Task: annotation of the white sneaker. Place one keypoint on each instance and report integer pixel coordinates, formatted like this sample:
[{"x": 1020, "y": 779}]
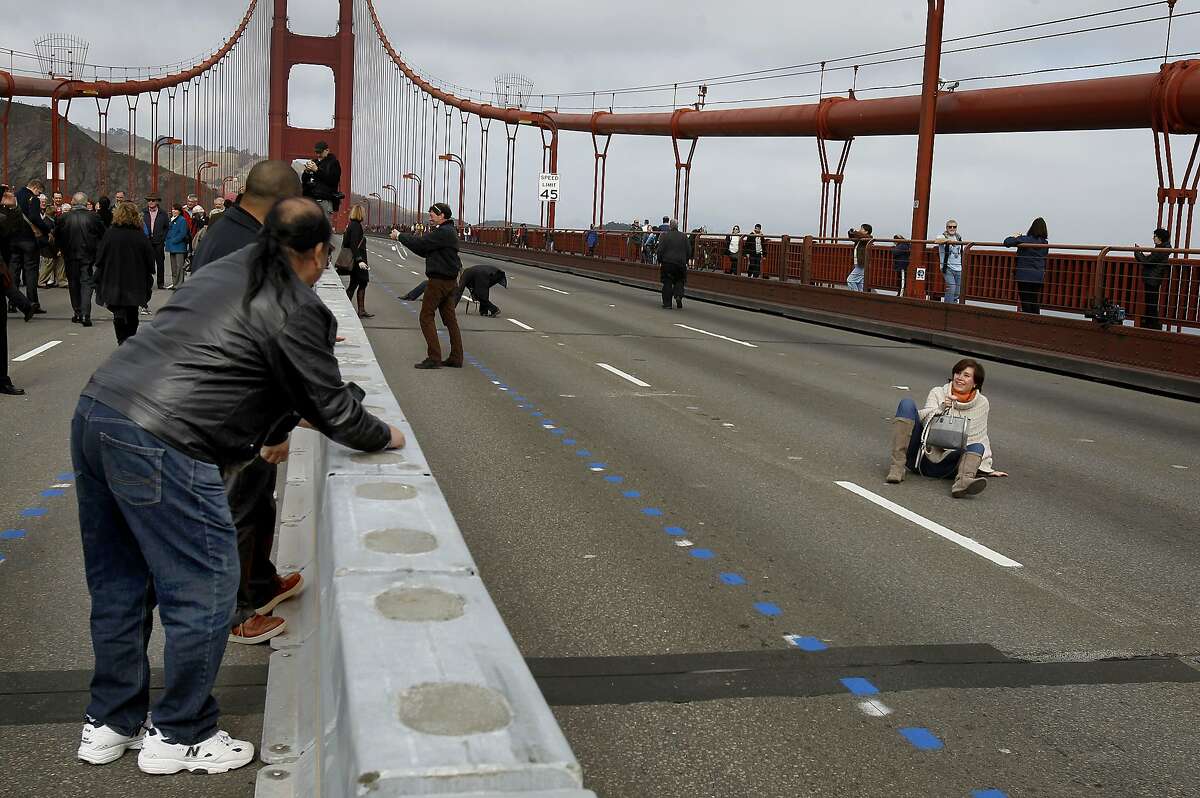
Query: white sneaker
[
  {"x": 100, "y": 745},
  {"x": 218, "y": 754}
]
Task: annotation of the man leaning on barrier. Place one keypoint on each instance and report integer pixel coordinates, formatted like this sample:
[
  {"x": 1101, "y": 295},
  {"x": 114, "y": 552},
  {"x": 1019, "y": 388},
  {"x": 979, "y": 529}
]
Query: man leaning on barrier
[{"x": 246, "y": 347}]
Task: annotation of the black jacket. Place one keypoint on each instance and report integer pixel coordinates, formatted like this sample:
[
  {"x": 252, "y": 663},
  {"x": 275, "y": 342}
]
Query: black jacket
[
  {"x": 28, "y": 203},
  {"x": 229, "y": 232},
  {"x": 323, "y": 183},
  {"x": 673, "y": 249},
  {"x": 125, "y": 268},
  {"x": 480, "y": 279},
  {"x": 162, "y": 220},
  {"x": 212, "y": 377},
  {"x": 355, "y": 240},
  {"x": 78, "y": 234},
  {"x": 901, "y": 254},
  {"x": 439, "y": 248},
  {"x": 1154, "y": 264}
]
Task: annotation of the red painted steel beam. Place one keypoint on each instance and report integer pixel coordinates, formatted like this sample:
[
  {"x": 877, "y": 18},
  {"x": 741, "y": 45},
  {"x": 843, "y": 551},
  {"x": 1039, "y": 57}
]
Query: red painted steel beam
[
  {"x": 1098, "y": 104},
  {"x": 46, "y": 87}
]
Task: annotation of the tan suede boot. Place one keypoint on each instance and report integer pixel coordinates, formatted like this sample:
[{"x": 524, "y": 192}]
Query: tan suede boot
[
  {"x": 902, "y": 429},
  {"x": 966, "y": 483}
]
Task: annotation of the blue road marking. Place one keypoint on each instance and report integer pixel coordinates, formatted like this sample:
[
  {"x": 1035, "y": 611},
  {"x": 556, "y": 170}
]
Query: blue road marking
[
  {"x": 921, "y": 738},
  {"x": 583, "y": 453},
  {"x": 859, "y": 686},
  {"x": 653, "y": 512},
  {"x": 702, "y": 554},
  {"x": 631, "y": 494},
  {"x": 988, "y": 794},
  {"x": 731, "y": 578},
  {"x": 768, "y": 609},
  {"x": 2, "y": 558},
  {"x": 53, "y": 492},
  {"x": 556, "y": 432},
  {"x": 675, "y": 531},
  {"x": 34, "y": 512},
  {"x": 807, "y": 643},
  {"x": 65, "y": 476},
  {"x": 568, "y": 441},
  {"x": 614, "y": 479},
  {"x": 12, "y": 534},
  {"x": 537, "y": 413}
]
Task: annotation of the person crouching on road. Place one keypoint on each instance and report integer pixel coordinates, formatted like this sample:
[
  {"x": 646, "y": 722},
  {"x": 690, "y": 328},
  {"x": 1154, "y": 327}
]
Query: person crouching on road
[
  {"x": 439, "y": 248},
  {"x": 154, "y": 428},
  {"x": 479, "y": 280},
  {"x": 355, "y": 240},
  {"x": 960, "y": 397},
  {"x": 672, "y": 264}
]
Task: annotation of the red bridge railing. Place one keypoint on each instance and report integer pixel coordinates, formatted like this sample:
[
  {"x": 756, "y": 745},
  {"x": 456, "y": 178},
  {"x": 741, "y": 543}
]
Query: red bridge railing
[{"x": 1075, "y": 280}]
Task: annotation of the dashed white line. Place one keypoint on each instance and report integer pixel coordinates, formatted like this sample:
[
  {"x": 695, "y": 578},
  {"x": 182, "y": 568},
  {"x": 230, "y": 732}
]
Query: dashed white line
[
  {"x": 874, "y": 708},
  {"x": 520, "y": 324},
  {"x": 555, "y": 290},
  {"x": 416, "y": 273},
  {"x": 36, "y": 352},
  {"x": 715, "y": 335},
  {"x": 934, "y": 527},
  {"x": 623, "y": 375}
]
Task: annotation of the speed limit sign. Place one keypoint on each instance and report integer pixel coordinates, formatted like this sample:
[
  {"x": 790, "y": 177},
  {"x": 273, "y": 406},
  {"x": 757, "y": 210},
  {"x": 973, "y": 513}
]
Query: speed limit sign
[{"x": 548, "y": 187}]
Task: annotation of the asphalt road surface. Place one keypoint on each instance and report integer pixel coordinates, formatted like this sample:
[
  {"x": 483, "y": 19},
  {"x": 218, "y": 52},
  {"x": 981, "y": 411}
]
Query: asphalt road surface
[{"x": 682, "y": 518}]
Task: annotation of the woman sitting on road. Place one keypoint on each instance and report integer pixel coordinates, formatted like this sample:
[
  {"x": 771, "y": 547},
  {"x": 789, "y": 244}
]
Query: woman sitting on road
[{"x": 960, "y": 397}]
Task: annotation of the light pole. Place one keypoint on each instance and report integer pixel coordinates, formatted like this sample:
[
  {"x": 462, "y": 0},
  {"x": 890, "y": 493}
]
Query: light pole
[
  {"x": 395, "y": 203},
  {"x": 420, "y": 192},
  {"x": 201, "y": 168},
  {"x": 462, "y": 183},
  {"x": 161, "y": 141},
  {"x": 547, "y": 122},
  {"x": 928, "y": 129},
  {"x": 376, "y": 196}
]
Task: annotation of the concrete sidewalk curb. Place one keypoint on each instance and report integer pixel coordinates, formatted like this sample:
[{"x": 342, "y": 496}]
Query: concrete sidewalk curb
[{"x": 397, "y": 675}]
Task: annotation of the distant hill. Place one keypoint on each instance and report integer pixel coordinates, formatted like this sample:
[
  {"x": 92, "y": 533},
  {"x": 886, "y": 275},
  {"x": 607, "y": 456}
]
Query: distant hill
[{"x": 29, "y": 151}]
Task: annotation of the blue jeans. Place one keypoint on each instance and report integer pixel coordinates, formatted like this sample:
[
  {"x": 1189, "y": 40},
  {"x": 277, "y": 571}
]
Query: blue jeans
[
  {"x": 953, "y": 280},
  {"x": 855, "y": 278},
  {"x": 156, "y": 528},
  {"x": 947, "y": 466}
]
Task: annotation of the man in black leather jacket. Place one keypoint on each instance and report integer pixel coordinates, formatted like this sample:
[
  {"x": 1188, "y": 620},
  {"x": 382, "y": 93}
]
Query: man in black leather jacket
[
  {"x": 78, "y": 234},
  {"x": 243, "y": 347}
]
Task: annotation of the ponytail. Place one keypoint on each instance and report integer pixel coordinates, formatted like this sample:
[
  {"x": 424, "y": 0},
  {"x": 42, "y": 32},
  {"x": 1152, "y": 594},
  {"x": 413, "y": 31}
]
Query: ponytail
[{"x": 293, "y": 226}]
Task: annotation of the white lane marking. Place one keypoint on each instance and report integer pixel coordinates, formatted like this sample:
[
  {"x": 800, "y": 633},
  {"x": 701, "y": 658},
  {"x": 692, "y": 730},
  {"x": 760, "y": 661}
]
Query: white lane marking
[
  {"x": 416, "y": 273},
  {"x": 934, "y": 527},
  {"x": 555, "y": 290},
  {"x": 521, "y": 324},
  {"x": 722, "y": 337},
  {"x": 874, "y": 708},
  {"x": 623, "y": 375},
  {"x": 35, "y": 352}
]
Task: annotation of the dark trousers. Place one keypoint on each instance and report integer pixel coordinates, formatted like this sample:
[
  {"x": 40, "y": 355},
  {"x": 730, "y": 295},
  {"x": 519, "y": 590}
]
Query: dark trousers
[
  {"x": 251, "y": 492},
  {"x": 754, "y": 264},
  {"x": 156, "y": 529},
  {"x": 160, "y": 257},
  {"x": 4, "y": 380},
  {"x": 440, "y": 295},
  {"x": 1150, "y": 319},
  {"x": 125, "y": 321},
  {"x": 947, "y": 466},
  {"x": 417, "y": 292},
  {"x": 733, "y": 263},
  {"x": 79, "y": 285},
  {"x": 1031, "y": 297},
  {"x": 674, "y": 278},
  {"x": 16, "y": 298},
  {"x": 26, "y": 261},
  {"x": 358, "y": 282}
]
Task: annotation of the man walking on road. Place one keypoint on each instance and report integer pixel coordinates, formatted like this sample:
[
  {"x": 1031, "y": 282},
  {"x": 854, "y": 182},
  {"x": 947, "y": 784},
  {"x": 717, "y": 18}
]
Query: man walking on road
[
  {"x": 154, "y": 225},
  {"x": 439, "y": 248},
  {"x": 78, "y": 234},
  {"x": 672, "y": 264},
  {"x": 34, "y": 229}
]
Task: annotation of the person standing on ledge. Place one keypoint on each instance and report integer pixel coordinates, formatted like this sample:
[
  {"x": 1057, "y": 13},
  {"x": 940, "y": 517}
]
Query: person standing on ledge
[
  {"x": 321, "y": 178},
  {"x": 439, "y": 248}
]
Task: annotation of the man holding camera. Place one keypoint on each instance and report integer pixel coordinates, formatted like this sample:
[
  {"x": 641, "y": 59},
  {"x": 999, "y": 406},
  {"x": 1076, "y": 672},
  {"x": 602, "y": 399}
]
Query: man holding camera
[
  {"x": 321, "y": 178},
  {"x": 862, "y": 238}
]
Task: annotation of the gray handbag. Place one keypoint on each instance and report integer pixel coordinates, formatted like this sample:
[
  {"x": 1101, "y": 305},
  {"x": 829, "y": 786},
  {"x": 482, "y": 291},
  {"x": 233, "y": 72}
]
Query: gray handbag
[{"x": 946, "y": 432}]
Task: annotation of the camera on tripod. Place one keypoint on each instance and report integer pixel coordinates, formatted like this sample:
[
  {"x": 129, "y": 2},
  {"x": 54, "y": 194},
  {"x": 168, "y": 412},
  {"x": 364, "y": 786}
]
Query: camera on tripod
[{"x": 1106, "y": 313}]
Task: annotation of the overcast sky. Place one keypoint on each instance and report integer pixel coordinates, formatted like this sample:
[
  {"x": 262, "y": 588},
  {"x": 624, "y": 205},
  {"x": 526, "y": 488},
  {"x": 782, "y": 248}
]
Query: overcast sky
[{"x": 1091, "y": 187}]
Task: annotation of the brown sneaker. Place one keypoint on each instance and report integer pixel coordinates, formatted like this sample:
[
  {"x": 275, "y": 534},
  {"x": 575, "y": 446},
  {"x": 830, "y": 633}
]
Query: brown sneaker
[
  {"x": 286, "y": 586},
  {"x": 257, "y": 629}
]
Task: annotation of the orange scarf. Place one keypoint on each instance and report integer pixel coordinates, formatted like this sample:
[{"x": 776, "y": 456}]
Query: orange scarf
[{"x": 963, "y": 398}]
